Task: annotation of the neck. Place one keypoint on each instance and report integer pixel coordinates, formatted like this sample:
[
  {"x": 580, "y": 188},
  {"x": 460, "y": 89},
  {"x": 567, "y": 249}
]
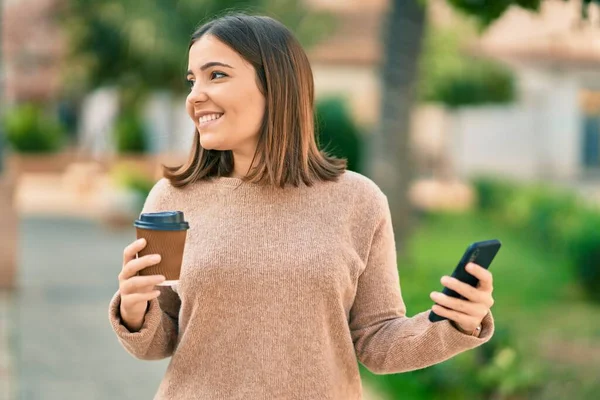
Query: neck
[{"x": 241, "y": 165}]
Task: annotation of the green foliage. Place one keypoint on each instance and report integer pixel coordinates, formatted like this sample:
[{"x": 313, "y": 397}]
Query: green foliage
[
  {"x": 554, "y": 214},
  {"x": 29, "y": 129},
  {"x": 480, "y": 82},
  {"x": 556, "y": 219},
  {"x": 144, "y": 43},
  {"x": 536, "y": 307},
  {"x": 492, "y": 192},
  {"x": 130, "y": 134},
  {"x": 584, "y": 250},
  {"x": 337, "y": 133},
  {"x": 453, "y": 79},
  {"x": 501, "y": 371},
  {"x": 127, "y": 176},
  {"x": 487, "y": 11}
]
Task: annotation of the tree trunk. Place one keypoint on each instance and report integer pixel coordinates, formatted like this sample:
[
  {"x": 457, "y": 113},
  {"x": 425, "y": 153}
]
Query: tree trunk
[{"x": 390, "y": 158}]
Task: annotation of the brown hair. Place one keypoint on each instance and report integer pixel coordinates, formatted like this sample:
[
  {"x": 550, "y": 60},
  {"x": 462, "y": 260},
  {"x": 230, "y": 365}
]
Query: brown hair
[{"x": 287, "y": 146}]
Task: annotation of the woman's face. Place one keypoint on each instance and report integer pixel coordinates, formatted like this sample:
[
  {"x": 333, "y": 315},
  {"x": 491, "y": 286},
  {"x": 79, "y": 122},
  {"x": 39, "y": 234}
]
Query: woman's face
[{"x": 224, "y": 101}]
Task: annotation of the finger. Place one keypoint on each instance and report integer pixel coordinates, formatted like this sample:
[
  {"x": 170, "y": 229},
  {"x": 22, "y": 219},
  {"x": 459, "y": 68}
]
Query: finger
[
  {"x": 463, "y": 306},
  {"x": 141, "y": 284},
  {"x": 130, "y": 251},
  {"x": 134, "y": 266},
  {"x": 485, "y": 277},
  {"x": 140, "y": 297},
  {"x": 460, "y": 318},
  {"x": 464, "y": 289}
]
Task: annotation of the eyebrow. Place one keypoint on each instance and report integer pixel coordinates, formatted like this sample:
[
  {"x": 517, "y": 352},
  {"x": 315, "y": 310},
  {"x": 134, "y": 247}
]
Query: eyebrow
[{"x": 211, "y": 64}]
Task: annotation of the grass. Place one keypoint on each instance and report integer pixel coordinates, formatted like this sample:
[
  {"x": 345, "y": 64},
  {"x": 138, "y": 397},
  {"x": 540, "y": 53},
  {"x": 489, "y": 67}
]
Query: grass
[
  {"x": 527, "y": 280},
  {"x": 536, "y": 297}
]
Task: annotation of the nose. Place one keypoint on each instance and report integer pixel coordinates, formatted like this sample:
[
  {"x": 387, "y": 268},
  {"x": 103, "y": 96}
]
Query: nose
[{"x": 197, "y": 94}]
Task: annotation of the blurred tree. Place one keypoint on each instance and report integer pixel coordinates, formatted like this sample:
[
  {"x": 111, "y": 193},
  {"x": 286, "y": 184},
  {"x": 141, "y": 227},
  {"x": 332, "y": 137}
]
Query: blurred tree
[
  {"x": 336, "y": 131},
  {"x": 30, "y": 129},
  {"x": 449, "y": 77},
  {"x": 142, "y": 46},
  {"x": 390, "y": 157}
]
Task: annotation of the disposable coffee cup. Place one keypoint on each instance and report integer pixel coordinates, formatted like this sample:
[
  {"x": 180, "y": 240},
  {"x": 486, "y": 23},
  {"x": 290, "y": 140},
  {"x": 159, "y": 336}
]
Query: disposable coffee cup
[{"x": 165, "y": 234}]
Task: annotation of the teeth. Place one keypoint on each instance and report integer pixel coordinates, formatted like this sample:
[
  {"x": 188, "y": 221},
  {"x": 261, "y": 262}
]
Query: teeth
[{"x": 209, "y": 117}]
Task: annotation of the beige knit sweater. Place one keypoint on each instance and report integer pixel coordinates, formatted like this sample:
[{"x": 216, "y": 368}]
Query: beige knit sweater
[{"x": 281, "y": 291}]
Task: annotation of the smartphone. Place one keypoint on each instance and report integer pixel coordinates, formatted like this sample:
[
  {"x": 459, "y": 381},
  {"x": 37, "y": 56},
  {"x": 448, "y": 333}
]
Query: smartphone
[{"x": 481, "y": 253}]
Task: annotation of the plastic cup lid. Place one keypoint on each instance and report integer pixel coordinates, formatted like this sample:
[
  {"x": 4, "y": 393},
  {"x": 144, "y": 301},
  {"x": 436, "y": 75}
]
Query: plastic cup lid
[{"x": 164, "y": 221}]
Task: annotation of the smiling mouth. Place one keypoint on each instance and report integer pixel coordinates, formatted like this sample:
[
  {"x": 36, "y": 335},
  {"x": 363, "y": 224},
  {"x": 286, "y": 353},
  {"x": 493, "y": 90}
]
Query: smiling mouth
[{"x": 209, "y": 119}]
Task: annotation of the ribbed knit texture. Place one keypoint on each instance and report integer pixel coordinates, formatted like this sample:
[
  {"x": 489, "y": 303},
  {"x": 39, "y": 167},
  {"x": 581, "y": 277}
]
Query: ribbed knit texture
[
  {"x": 170, "y": 245},
  {"x": 281, "y": 290}
]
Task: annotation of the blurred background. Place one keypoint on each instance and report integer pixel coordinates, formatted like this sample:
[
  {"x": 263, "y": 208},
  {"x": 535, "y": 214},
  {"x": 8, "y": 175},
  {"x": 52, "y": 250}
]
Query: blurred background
[{"x": 479, "y": 120}]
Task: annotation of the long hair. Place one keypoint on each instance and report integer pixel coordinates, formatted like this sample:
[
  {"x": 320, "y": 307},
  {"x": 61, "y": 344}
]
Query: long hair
[{"x": 287, "y": 146}]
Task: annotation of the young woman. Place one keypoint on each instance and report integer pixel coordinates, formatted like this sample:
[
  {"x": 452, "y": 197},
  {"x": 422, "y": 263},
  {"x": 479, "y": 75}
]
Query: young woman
[{"x": 289, "y": 272}]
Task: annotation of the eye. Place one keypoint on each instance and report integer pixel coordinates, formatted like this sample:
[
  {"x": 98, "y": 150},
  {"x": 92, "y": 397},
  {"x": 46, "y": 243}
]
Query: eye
[
  {"x": 190, "y": 83},
  {"x": 217, "y": 75}
]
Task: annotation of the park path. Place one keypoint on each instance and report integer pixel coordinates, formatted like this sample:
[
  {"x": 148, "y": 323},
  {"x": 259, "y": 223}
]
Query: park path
[{"x": 60, "y": 343}]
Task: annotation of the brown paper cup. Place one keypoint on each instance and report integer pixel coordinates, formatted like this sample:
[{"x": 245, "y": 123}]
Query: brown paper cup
[{"x": 170, "y": 246}]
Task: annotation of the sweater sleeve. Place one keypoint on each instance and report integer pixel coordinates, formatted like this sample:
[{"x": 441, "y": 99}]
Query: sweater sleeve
[
  {"x": 385, "y": 339},
  {"x": 158, "y": 336}
]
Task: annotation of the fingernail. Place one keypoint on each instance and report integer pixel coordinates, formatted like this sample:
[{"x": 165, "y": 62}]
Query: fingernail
[
  {"x": 156, "y": 257},
  {"x": 435, "y": 295},
  {"x": 142, "y": 240}
]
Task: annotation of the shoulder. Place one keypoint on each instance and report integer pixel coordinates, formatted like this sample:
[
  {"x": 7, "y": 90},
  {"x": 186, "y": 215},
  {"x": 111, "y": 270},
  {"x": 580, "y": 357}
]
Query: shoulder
[
  {"x": 160, "y": 196},
  {"x": 362, "y": 186},
  {"x": 367, "y": 195},
  {"x": 161, "y": 188}
]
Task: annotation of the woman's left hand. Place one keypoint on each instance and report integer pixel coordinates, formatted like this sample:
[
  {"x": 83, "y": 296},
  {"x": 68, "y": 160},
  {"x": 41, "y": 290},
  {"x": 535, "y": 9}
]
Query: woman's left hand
[{"x": 466, "y": 314}]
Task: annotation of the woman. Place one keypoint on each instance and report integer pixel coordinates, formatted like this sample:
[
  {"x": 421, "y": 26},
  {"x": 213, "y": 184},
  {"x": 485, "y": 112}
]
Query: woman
[{"x": 289, "y": 272}]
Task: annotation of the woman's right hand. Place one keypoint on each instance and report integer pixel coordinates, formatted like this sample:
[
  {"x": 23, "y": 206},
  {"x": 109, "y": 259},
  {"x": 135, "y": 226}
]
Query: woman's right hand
[{"x": 136, "y": 291}]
